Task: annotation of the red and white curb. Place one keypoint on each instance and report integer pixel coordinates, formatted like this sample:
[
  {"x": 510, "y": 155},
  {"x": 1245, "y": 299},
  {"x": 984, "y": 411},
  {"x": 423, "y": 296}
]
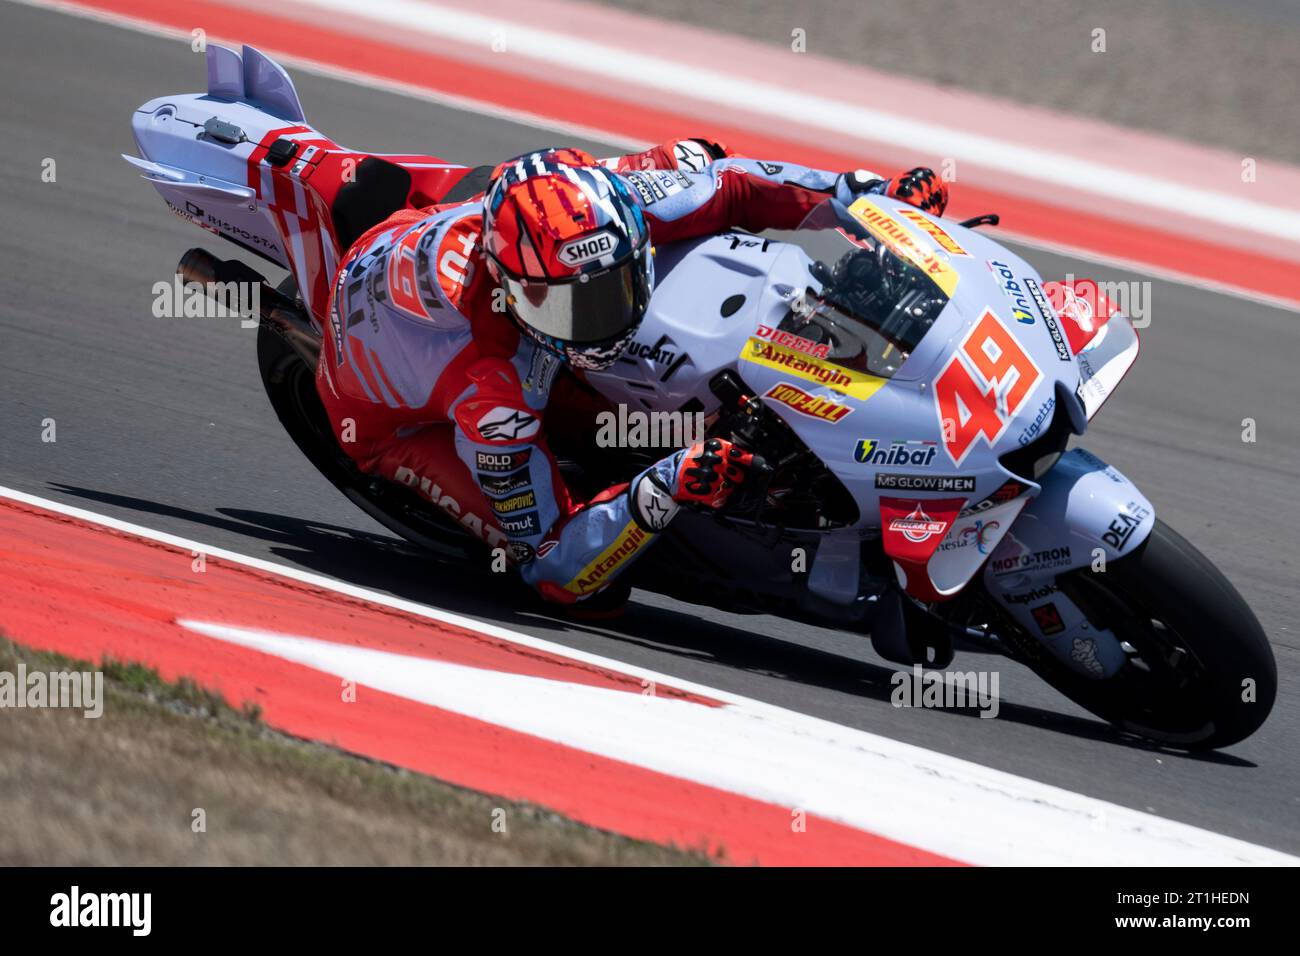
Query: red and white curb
[
  {"x": 610, "y": 744},
  {"x": 1065, "y": 184}
]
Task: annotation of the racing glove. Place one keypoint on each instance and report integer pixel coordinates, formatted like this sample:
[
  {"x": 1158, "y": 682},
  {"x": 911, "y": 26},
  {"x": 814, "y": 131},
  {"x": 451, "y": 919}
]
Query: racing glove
[
  {"x": 921, "y": 187},
  {"x": 704, "y": 474},
  {"x": 709, "y": 471}
]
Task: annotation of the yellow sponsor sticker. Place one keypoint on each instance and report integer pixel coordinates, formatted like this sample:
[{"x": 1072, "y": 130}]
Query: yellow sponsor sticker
[
  {"x": 933, "y": 230},
  {"x": 846, "y": 381},
  {"x": 630, "y": 540},
  {"x": 893, "y": 234}
]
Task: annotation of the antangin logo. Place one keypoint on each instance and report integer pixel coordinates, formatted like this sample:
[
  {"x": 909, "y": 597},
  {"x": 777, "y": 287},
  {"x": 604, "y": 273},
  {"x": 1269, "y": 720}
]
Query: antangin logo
[
  {"x": 590, "y": 578},
  {"x": 859, "y": 385}
]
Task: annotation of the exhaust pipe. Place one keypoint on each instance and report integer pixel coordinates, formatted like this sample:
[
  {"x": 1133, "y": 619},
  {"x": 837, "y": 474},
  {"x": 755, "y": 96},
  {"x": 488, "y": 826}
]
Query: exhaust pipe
[{"x": 281, "y": 313}]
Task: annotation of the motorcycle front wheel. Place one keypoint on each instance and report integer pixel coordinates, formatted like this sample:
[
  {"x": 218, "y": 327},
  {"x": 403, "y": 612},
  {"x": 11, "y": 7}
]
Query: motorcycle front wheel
[{"x": 1200, "y": 672}]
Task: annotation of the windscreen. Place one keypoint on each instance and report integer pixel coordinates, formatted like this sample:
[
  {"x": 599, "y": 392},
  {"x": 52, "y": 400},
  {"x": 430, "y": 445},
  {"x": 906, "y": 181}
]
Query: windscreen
[{"x": 867, "y": 307}]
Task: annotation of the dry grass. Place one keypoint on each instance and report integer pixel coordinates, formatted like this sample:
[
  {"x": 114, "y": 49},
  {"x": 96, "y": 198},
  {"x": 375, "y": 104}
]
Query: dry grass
[{"x": 122, "y": 790}]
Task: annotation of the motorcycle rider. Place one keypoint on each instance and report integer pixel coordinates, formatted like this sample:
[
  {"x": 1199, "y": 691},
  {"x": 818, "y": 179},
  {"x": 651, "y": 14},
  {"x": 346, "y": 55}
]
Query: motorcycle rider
[{"x": 448, "y": 325}]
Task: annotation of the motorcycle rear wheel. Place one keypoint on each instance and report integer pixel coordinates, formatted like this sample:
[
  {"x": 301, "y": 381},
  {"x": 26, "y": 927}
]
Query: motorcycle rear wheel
[
  {"x": 291, "y": 387},
  {"x": 1200, "y": 672}
]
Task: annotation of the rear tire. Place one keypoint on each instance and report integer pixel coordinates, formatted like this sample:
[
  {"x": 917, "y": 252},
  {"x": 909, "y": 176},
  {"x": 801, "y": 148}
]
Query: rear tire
[
  {"x": 291, "y": 387},
  {"x": 1198, "y": 650}
]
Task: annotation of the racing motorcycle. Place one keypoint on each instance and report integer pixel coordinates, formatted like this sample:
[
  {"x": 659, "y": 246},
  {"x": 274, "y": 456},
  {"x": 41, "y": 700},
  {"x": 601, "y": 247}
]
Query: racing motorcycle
[{"x": 909, "y": 387}]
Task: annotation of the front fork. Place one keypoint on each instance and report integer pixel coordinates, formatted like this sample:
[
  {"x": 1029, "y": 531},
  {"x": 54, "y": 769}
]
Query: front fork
[{"x": 1086, "y": 516}]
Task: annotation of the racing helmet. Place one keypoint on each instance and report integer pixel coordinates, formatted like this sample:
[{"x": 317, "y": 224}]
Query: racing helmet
[{"x": 568, "y": 244}]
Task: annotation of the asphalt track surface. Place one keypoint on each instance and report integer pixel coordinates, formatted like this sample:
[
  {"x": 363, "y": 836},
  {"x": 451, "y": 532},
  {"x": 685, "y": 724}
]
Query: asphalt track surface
[{"x": 163, "y": 422}]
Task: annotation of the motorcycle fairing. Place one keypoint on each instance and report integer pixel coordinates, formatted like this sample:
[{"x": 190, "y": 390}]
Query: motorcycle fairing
[
  {"x": 210, "y": 157},
  {"x": 1087, "y": 514}
]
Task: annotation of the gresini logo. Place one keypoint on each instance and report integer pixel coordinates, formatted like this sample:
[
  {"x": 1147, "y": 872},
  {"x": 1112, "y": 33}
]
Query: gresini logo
[
  {"x": 918, "y": 526},
  {"x": 72, "y": 690},
  {"x": 75, "y": 908},
  {"x": 638, "y": 429}
]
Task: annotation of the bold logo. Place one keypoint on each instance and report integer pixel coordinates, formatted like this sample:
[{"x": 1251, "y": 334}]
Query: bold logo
[
  {"x": 1008, "y": 491},
  {"x": 933, "y": 230},
  {"x": 805, "y": 404},
  {"x": 907, "y": 454},
  {"x": 845, "y": 381},
  {"x": 578, "y": 252},
  {"x": 983, "y": 387},
  {"x": 789, "y": 340},
  {"x": 501, "y": 462},
  {"x": 918, "y": 526},
  {"x": 506, "y": 424}
]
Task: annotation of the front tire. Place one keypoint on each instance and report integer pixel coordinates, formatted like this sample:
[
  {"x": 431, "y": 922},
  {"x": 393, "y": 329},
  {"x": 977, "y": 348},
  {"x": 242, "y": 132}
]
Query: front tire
[{"x": 1200, "y": 672}]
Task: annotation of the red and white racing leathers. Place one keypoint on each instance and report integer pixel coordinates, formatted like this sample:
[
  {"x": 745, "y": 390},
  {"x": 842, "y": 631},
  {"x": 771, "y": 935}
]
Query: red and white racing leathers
[{"x": 426, "y": 384}]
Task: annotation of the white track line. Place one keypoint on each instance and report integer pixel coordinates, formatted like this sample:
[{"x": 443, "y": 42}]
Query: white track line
[
  {"x": 618, "y": 140},
  {"x": 916, "y": 796},
  {"x": 661, "y": 75}
]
